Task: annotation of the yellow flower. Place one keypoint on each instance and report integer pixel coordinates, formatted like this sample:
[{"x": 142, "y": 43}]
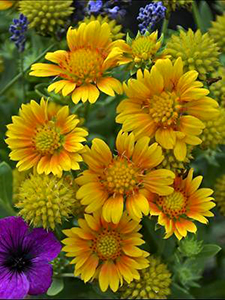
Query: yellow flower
[
  {"x": 198, "y": 52},
  {"x": 217, "y": 32},
  {"x": 187, "y": 203},
  {"x": 154, "y": 282},
  {"x": 45, "y": 200},
  {"x": 140, "y": 52},
  {"x": 167, "y": 104},
  {"x": 127, "y": 177},
  {"x": 5, "y": 4},
  {"x": 46, "y": 15},
  {"x": 218, "y": 88},
  {"x": 84, "y": 67},
  {"x": 220, "y": 193},
  {"x": 105, "y": 251},
  {"x": 46, "y": 137},
  {"x": 214, "y": 132},
  {"x": 115, "y": 28}
]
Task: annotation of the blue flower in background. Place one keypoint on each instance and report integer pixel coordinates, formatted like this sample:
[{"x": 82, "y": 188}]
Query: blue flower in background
[
  {"x": 18, "y": 30},
  {"x": 150, "y": 15},
  {"x": 94, "y": 6}
]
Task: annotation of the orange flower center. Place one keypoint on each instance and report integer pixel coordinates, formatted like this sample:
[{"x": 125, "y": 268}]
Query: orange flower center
[
  {"x": 173, "y": 205},
  {"x": 107, "y": 245},
  {"x": 164, "y": 108},
  {"x": 47, "y": 139},
  {"x": 83, "y": 66},
  {"x": 121, "y": 176}
]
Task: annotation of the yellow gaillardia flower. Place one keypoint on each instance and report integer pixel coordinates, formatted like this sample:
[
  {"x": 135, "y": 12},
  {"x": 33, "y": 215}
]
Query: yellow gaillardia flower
[
  {"x": 115, "y": 28},
  {"x": 220, "y": 193},
  {"x": 214, "y": 132},
  {"x": 5, "y": 4},
  {"x": 83, "y": 69},
  {"x": 46, "y": 15},
  {"x": 140, "y": 52},
  {"x": 45, "y": 200},
  {"x": 218, "y": 88},
  {"x": 154, "y": 282},
  {"x": 105, "y": 251},
  {"x": 127, "y": 177},
  {"x": 46, "y": 137},
  {"x": 167, "y": 104},
  {"x": 187, "y": 203},
  {"x": 217, "y": 32},
  {"x": 198, "y": 52}
]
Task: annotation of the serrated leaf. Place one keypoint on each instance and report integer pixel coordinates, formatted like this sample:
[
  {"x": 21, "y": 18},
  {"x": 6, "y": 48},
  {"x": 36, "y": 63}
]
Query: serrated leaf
[
  {"x": 56, "y": 287},
  {"x": 209, "y": 250},
  {"x": 6, "y": 183}
]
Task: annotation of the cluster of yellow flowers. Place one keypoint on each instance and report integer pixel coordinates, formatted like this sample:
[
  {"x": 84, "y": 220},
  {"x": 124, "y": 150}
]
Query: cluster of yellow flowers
[{"x": 163, "y": 117}]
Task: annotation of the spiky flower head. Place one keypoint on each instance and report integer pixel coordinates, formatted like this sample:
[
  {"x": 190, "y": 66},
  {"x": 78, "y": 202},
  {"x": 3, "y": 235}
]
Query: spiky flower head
[
  {"x": 190, "y": 246},
  {"x": 46, "y": 15},
  {"x": 154, "y": 282},
  {"x": 214, "y": 132},
  {"x": 220, "y": 193},
  {"x": 218, "y": 87},
  {"x": 45, "y": 200},
  {"x": 217, "y": 32},
  {"x": 115, "y": 29},
  {"x": 172, "y": 5},
  {"x": 171, "y": 163},
  {"x": 198, "y": 51},
  {"x": 140, "y": 52}
]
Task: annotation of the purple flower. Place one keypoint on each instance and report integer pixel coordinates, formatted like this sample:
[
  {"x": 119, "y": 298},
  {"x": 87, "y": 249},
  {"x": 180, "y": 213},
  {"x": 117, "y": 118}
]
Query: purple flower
[
  {"x": 24, "y": 259},
  {"x": 94, "y": 6},
  {"x": 18, "y": 30},
  {"x": 150, "y": 15}
]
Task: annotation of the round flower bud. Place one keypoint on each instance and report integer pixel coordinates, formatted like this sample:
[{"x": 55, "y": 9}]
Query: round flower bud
[
  {"x": 219, "y": 193},
  {"x": 217, "y": 32},
  {"x": 198, "y": 52},
  {"x": 154, "y": 282},
  {"x": 46, "y": 200},
  {"x": 218, "y": 87},
  {"x": 189, "y": 246},
  {"x": 18, "y": 178},
  {"x": 214, "y": 132},
  {"x": 115, "y": 28},
  {"x": 46, "y": 15}
]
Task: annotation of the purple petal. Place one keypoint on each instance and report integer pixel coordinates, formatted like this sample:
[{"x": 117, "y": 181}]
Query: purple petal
[
  {"x": 39, "y": 277},
  {"x": 45, "y": 244},
  {"x": 13, "y": 285},
  {"x": 12, "y": 233}
]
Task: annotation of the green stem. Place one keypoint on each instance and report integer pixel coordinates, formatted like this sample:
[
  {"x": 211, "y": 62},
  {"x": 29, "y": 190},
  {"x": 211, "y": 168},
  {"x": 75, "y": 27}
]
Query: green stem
[
  {"x": 18, "y": 76},
  {"x": 197, "y": 16},
  {"x": 67, "y": 275},
  {"x": 22, "y": 76},
  {"x": 86, "y": 110},
  {"x": 165, "y": 26}
]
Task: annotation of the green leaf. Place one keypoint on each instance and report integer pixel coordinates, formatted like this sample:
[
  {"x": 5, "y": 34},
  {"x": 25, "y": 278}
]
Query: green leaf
[
  {"x": 6, "y": 183},
  {"x": 209, "y": 250},
  {"x": 56, "y": 287},
  {"x": 206, "y": 15},
  {"x": 179, "y": 292}
]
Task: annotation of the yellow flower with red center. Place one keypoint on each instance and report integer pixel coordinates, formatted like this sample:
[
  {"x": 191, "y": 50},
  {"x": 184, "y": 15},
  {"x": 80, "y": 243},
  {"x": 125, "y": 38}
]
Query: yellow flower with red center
[
  {"x": 105, "y": 251},
  {"x": 167, "y": 104},
  {"x": 83, "y": 69},
  {"x": 127, "y": 177},
  {"x": 46, "y": 137},
  {"x": 187, "y": 203}
]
